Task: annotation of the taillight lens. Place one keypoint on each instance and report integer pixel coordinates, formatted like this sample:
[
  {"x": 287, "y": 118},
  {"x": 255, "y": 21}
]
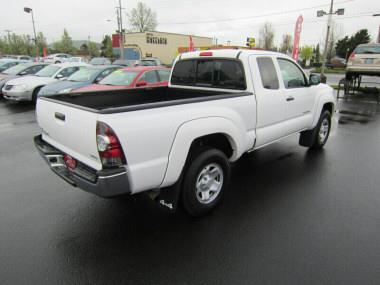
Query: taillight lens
[
  {"x": 109, "y": 147},
  {"x": 352, "y": 56}
]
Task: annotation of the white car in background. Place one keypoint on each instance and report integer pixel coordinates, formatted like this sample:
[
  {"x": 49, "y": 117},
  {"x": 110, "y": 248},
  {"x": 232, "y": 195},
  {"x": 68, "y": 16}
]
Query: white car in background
[
  {"x": 26, "y": 88},
  {"x": 57, "y": 58}
]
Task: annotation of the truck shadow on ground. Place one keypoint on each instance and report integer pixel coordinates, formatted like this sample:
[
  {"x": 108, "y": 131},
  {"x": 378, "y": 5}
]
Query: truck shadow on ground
[{"x": 136, "y": 233}]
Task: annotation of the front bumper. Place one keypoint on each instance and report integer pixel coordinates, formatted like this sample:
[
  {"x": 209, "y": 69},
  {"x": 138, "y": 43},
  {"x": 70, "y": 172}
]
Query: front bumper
[
  {"x": 104, "y": 183},
  {"x": 18, "y": 95}
]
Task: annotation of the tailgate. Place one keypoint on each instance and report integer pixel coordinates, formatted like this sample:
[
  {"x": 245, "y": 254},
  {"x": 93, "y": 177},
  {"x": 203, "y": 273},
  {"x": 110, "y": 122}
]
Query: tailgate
[{"x": 71, "y": 130}]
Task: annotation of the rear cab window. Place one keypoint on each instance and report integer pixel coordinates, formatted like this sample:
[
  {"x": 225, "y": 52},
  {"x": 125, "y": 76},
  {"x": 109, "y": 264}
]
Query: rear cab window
[{"x": 209, "y": 72}]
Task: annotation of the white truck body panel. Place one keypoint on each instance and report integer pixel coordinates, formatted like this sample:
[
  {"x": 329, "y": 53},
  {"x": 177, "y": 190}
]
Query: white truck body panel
[{"x": 156, "y": 141}]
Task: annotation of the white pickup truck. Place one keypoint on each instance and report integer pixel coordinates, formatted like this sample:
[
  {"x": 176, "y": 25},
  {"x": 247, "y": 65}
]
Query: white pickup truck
[{"x": 177, "y": 142}]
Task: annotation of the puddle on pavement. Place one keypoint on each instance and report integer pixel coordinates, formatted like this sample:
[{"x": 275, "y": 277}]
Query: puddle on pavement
[{"x": 360, "y": 116}]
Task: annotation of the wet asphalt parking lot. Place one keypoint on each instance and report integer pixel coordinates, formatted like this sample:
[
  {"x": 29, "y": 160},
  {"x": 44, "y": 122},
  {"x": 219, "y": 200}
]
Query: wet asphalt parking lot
[{"x": 291, "y": 216}]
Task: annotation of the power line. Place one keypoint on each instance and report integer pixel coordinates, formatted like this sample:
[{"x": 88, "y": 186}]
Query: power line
[
  {"x": 367, "y": 14},
  {"x": 251, "y": 17}
]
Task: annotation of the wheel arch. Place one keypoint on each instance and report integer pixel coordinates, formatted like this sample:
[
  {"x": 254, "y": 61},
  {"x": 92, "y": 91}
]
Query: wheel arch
[
  {"x": 326, "y": 102},
  {"x": 216, "y": 132}
]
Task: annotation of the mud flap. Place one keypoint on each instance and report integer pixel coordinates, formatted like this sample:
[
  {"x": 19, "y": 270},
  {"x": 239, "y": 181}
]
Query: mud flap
[
  {"x": 168, "y": 197},
  {"x": 307, "y": 137}
]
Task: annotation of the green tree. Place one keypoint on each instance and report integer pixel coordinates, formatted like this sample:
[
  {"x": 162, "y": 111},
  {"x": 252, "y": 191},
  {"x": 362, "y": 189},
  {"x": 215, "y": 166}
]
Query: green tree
[
  {"x": 106, "y": 47},
  {"x": 84, "y": 48},
  {"x": 142, "y": 18},
  {"x": 306, "y": 53},
  {"x": 65, "y": 45},
  {"x": 93, "y": 49},
  {"x": 41, "y": 42},
  {"x": 345, "y": 46}
]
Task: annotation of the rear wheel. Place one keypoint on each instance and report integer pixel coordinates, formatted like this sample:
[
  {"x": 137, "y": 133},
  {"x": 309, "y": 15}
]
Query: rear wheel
[{"x": 205, "y": 180}]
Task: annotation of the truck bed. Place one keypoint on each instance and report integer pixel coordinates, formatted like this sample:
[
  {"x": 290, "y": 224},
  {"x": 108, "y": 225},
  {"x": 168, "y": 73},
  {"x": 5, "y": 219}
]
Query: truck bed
[{"x": 114, "y": 101}]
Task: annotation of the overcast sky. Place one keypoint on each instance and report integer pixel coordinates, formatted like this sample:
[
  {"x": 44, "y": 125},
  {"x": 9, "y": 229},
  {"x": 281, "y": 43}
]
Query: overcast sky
[{"x": 226, "y": 20}]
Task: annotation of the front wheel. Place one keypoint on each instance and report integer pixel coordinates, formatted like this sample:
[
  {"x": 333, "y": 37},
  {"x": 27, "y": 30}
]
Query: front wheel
[
  {"x": 205, "y": 180},
  {"x": 317, "y": 137}
]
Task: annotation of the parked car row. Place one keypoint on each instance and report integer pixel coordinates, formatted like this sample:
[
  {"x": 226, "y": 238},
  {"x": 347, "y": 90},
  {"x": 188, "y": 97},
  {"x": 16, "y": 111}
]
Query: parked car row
[{"x": 27, "y": 81}]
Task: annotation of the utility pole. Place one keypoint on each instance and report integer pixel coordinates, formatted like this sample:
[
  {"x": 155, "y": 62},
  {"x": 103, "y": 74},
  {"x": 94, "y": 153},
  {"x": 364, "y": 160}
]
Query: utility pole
[
  {"x": 121, "y": 31},
  {"x": 321, "y": 13},
  {"x": 327, "y": 39}
]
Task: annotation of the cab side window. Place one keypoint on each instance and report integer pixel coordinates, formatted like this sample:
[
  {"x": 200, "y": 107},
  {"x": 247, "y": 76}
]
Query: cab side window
[
  {"x": 268, "y": 73},
  {"x": 292, "y": 75}
]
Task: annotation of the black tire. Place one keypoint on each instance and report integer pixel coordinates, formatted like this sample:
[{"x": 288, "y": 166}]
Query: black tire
[
  {"x": 57, "y": 62},
  {"x": 215, "y": 161},
  {"x": 35, "y": 93},
  {"x": 312, "y": 138}
]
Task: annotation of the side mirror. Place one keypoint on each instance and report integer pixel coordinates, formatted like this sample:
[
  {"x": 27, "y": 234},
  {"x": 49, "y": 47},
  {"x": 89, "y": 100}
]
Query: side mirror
[
  {"x": 141, "y": 83},
  {"x": 22, "y": 73},
  {"x": 314, "y": 79},
  {"x": 60, "y": 77}
]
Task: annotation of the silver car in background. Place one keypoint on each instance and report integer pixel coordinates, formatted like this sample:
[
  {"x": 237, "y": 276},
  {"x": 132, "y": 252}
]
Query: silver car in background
[
  {"x": 364, "y": 60},
  {"x": 56, "y": 58},
  {"x": 26, "y": 88},
  {"x": 19, "y": 70}
]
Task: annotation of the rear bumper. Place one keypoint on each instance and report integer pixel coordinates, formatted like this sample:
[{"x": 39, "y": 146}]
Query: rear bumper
[
  {"x": 104, "y": 183},
  {"x": 362, "y": 70}
]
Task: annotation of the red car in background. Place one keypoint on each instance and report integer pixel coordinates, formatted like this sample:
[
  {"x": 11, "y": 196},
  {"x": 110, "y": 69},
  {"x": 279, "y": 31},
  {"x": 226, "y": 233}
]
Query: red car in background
[{"x": 131, "y": 77}]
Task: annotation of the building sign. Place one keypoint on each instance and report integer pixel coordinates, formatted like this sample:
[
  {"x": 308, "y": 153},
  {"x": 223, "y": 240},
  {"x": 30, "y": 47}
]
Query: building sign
[
  {"x": 150, "y": 39},
  {"x": 115, "y": 40},
  {"x": 251, "y": 42}
]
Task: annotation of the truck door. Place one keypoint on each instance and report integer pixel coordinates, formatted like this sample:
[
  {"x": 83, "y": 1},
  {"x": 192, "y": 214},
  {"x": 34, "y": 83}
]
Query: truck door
[
  {"x": 270, "y": 100},
  {"x": 299, "y": 96}
]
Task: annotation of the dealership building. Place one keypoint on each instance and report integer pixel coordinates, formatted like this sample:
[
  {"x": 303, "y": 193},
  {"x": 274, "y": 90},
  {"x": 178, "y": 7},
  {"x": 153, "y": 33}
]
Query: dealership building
[{"x": 164, "y": 46}]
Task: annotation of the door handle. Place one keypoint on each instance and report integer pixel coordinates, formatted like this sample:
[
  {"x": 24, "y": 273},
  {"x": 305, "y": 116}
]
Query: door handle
[
  {"x": 290, "y": 98},
  {"x": 60, "y": 116}
]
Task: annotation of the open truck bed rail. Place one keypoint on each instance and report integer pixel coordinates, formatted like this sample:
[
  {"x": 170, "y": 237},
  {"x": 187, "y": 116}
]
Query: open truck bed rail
[{"x": 117, "y": 101}]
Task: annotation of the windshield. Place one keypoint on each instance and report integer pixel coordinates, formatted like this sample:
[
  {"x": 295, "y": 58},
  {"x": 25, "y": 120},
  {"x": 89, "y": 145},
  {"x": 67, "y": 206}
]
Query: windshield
[
  {"x": 368, "y": 50},
  {"x": 48, "y": 71},
  {"x": 16, "y": 69},
  {"x": 98, "y": 60},
  {"x": 119, "y": 78},
  {"x": 83, "y": 75}
]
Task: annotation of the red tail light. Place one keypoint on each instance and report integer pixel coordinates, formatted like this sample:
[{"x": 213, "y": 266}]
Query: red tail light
[
  {"x": 352, "y": 56},
  {"x": 109, "y": 147}
]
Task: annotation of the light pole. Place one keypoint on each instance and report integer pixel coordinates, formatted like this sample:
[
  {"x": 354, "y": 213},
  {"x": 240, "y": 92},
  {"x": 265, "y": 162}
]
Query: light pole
[
  {"x": 321, "y": 13},
  {"x": 30, "y": 10},
  {"x": 121, "y": 31},
  {"x": 378, "y": 33}
]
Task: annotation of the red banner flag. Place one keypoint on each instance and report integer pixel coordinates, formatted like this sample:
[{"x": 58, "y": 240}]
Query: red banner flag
[
  {"x": 297, "y": 35},
  {"x": 191, "y": 44}
]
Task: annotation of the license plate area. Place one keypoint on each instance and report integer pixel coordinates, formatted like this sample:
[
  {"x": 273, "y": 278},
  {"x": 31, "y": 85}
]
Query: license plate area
[{"x": 368, "y": 61}]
